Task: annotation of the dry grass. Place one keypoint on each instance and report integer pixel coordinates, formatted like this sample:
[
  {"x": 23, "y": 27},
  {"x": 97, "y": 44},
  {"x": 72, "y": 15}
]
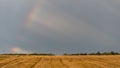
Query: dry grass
[{"x": 108, "y": 61}]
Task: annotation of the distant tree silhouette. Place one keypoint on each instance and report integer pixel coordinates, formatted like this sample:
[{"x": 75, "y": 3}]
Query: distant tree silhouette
[{"x": 97, "y": 53}]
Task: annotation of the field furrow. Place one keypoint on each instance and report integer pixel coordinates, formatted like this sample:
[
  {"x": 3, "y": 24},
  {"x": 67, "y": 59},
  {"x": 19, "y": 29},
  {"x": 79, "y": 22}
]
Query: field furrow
[
  {"x": 7, "y": 61},
  {"x": 37, "y": 62},
  {"x": 107, "y": 62},
  {"x": 44, "y": 63},
  {"x": 60, "y": 62}
]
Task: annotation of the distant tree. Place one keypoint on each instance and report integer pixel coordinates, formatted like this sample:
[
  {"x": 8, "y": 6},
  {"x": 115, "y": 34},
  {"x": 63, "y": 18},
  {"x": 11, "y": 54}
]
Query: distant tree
[
  {"x": 98, "y": 53},
  {"x": 65, "y": 54},
  {"x": 112, "y": 53},
  {"x": 83, "y": 54}
]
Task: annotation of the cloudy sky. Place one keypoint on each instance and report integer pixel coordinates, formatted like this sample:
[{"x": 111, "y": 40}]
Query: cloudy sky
[{"x": 59, "y": 26}]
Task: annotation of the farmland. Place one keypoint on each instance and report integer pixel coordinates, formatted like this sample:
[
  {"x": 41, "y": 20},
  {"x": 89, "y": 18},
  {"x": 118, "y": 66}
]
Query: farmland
[{"x": 34, "y": 61}]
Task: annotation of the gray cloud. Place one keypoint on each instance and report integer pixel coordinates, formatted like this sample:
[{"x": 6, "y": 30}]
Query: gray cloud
[{"x": 61, "y": 26}]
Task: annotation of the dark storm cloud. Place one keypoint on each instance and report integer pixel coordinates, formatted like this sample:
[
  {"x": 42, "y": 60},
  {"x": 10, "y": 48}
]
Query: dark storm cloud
[{"x": 61, "y": 26}]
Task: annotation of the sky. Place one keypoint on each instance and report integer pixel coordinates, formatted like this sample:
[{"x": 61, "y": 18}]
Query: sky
[{"x": 59, "y": 26}]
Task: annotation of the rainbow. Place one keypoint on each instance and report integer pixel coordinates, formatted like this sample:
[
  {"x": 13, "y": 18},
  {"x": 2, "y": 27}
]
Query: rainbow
[
  {"x": 18, "y": 50},
  {"x": 32, "y": 16}
]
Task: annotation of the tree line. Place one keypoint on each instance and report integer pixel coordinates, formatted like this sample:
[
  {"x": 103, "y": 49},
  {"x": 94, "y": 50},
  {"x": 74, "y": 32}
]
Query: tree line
[
  {"x": 45, "y": 54},
  {"x": 50, "y": 54},
  {"x": 96, "y": 53}
]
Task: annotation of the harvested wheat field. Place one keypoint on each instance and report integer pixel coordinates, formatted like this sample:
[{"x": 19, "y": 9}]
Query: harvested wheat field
[{"x": 59, "y": 61}]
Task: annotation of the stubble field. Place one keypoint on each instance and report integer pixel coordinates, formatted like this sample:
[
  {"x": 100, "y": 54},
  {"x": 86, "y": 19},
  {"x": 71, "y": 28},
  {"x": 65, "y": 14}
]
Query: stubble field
[{"x": 32, "y": 61}]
